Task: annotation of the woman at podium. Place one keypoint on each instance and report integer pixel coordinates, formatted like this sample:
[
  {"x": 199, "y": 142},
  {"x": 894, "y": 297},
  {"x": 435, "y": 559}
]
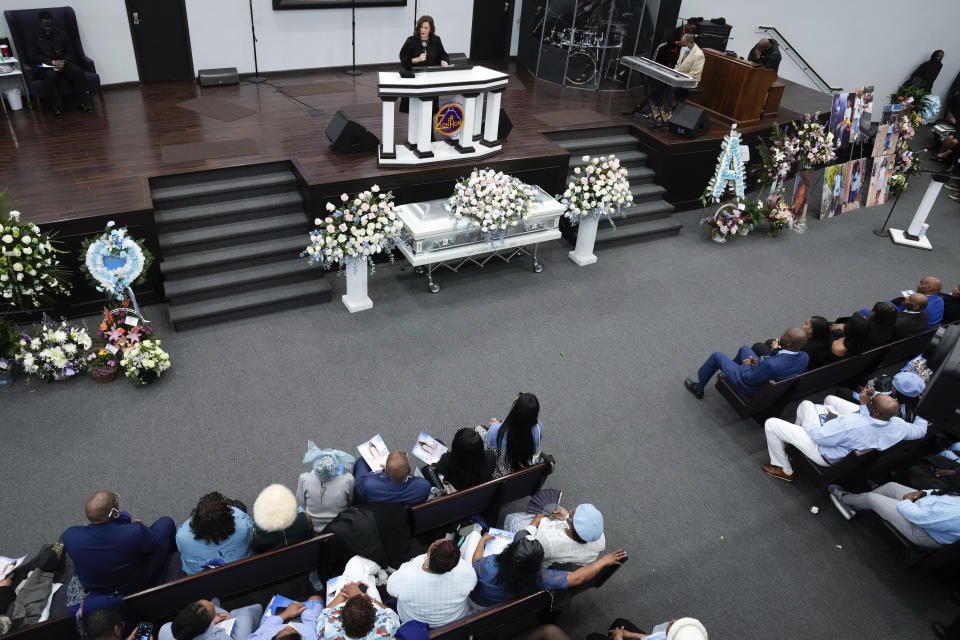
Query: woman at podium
[{"x": 423, "y": 48}]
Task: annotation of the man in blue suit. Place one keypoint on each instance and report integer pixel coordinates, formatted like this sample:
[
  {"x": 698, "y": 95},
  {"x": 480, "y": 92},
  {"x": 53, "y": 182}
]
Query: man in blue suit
[
  {"x": 393, "y": 484},
  {"x": 748, "y": 370}
]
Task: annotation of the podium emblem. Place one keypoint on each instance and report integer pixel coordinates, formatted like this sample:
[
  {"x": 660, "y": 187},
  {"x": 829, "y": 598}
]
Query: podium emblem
[{"x": 449, "y": 119}]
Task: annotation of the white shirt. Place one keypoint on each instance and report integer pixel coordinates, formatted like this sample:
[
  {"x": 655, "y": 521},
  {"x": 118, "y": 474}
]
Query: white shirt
[
  {"x": 559, "y": 547},
  {"x": 434, "y": 598}
]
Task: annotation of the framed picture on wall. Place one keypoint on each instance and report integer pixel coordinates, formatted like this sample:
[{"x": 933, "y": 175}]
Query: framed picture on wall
[{"x": 279, "y": 5}]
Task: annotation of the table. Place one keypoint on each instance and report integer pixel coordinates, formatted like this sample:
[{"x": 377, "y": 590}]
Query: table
[
  {"x": 433, "y": 238},
  {"x": 17, "y": 73},
  {"x": 473, "y": 84}
]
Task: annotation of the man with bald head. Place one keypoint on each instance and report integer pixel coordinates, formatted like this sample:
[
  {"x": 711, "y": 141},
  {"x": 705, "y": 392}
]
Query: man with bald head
[
  {"x": 766, "y": 53},
  {"x": 912, "y": 316},
  {"x": 115, "y": 552},
  {"x": 827, "y": 442},
  {"x": 393, "y": 484},
  {"x": 748, "y": 371},
  {"x": 929, "y": 286}
]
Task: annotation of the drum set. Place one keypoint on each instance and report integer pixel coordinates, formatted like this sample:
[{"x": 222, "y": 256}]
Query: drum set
[{"x": 589, "y": 51}]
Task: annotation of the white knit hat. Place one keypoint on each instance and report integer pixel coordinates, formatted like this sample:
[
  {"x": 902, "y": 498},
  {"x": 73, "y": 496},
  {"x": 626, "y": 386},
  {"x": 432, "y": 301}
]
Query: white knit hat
[
  {"x": 275, "y": 508},
  {"x": 687, "y": 629}
]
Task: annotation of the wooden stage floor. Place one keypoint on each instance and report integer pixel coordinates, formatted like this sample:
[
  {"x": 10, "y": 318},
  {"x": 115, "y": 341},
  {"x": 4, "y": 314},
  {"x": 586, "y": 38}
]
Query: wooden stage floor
[{"x": 96, "y": 165}]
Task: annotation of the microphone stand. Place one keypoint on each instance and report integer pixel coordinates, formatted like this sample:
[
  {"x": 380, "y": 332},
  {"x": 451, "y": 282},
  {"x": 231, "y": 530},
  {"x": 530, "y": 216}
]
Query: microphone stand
[
  {"x": 256, "y": 78},
  {"x": 353, "y": 71}
]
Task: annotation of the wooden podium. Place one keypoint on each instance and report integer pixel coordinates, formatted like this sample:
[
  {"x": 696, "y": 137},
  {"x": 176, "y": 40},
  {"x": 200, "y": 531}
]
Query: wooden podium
[{"x": 735, "y": 90}]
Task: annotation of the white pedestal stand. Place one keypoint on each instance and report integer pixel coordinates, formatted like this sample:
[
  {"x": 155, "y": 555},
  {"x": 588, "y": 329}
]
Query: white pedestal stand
[
  {"x": 586, "y": 236},
  {"x": 915, "y": 236},
  {"x": 356, "y": 298}
]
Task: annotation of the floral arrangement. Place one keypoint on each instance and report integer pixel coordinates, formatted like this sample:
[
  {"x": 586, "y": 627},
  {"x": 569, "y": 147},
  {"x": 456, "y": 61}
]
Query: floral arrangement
[
  {"x": 361, "y": 227},
  {"x": 122, "y": 327},
  {"x": 30, "y": 272},
  {"x": 597, "y": 188},
  {"x": 779, "y": 215},
  {"x": 8, "y": 345},
  {"x": 812, "y": 144},
  {"x": 776, "y": 158},
  {"x": 492, "y": 201},
  {"x": 114, "y": 261},
  {"x": 102, "y": 364},
  {"x": 54, "y": 350},
  {"x": 144, "y": 362},
  {"x": 897, "y": 185},
  {"x": 726, "y": 220}
]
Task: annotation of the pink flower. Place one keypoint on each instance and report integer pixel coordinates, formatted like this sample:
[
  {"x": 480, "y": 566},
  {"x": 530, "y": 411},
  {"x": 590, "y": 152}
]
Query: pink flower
[
  {"x": 344, "y": 197},
  {"x": 348, "y": 217},
  {"x": 343, "y": 227}
]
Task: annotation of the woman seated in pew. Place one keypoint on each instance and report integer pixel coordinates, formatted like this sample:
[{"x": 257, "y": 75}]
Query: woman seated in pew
[
  {"x": 467, "y": 463},
  {"x": 516, "y": 439},
  {"x": 518, "y": 569},
  {"x": 327, "y": 489},
  {"x": 850, "y": 338},
  {"x": 216, "y": 533},
  {"x": 817, "y": 346},
  {"x": 278, "y": 522}
]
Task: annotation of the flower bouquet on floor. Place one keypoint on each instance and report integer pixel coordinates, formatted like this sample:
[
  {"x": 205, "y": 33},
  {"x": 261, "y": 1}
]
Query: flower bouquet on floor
[
  {"x": 361, "y": 227},
  {"x": 102, "y": 365},
  {"x": 598, "y": 188},
  {"x": 492, "y": 201},
  {"x": 811, "y": 144},
  {"x": 780, "y": 216},
  {"x": 114, "y": 261},
  {"x": 122, "y": 327},
  {"x": 144, "y": 362},
  {"x": 30, "y": 271},
  {"x": 726, "y": 221},
  {"x": 53, "y": 350}
]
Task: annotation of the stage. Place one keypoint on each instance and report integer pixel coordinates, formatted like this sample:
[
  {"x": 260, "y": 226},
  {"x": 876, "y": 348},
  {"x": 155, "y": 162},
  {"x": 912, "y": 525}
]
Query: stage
[{"x": 76, "y": 173}]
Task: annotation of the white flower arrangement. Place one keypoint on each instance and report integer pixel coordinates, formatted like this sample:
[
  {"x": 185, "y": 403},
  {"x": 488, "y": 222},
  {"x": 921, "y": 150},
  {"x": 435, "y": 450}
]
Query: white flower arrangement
[
  {"x": 599, "y": 187},
  {"x": 492, "y": 201},
  {"x": 54, "y": 351},
  {"x": 30, "y": 271},
  {"x": 361, "y": 227},
  {"x": 114, "y": 261},
  {"x": 144, "y": 362}
]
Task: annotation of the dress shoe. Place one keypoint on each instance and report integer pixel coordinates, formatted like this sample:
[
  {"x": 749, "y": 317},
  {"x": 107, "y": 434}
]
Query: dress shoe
[
  {"x": 85, "y": 107},
  {"x": 58, "y": 113},
  {"x": 954, "y": 196},
  {"x": 777, "y": 472},
  {"x": 836, "y": 494},
  {"x": 694, "y": 388}
]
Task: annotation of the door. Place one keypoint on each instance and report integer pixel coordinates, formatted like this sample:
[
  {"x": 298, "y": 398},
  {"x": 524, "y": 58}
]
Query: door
[
  {"x": 492, "y": 23},
  {"x": 161, "y": 40}
]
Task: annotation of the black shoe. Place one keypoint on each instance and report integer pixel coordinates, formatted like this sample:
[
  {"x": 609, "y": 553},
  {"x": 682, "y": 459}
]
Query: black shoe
[
  {"x": 694, "y": 388},
  {"x": 58, "y": 113},
  {"x": 85, "y": 107}
]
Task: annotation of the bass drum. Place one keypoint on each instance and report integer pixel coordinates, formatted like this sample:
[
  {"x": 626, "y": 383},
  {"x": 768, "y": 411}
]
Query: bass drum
[{"x": 581, "y": 68}]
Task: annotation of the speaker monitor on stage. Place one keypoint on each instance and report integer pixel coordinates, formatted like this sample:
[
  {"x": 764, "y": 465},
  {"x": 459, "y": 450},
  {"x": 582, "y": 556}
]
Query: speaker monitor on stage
[
  {"x": 688, "y": 121},
  {"x": 349, "y": 136}
]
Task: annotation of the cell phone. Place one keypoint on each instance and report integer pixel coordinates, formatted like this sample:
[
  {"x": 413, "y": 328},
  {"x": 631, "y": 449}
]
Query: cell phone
[
  {"x": 362, "y": 587},
  {"x": 144, "y": 631}
]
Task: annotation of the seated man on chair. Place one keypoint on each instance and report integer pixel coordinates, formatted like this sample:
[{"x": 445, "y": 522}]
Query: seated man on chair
[
  {"x": 748, "y": 370},
  {"x": 691, "y": 58},
  {"x": 51, "y": 47},
  {"x": 829, "y": 442},
  {"x": 393, "y": 484},
  {"x": 766, "y": 54}
]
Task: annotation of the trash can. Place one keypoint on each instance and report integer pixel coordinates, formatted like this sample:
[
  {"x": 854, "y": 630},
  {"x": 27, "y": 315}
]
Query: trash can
[{"x": 14, "y": 99}]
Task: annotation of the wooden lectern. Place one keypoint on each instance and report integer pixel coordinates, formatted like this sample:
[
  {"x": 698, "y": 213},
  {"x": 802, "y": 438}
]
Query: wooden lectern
[{"x": 735, "y": 90}]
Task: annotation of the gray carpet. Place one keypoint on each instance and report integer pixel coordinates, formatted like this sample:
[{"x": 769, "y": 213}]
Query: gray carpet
[{"x": 605, "y": 348}]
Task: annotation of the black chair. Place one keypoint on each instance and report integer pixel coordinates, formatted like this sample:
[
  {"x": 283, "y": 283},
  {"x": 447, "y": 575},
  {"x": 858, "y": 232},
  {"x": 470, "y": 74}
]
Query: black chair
[{"x": 23, "y": 23}]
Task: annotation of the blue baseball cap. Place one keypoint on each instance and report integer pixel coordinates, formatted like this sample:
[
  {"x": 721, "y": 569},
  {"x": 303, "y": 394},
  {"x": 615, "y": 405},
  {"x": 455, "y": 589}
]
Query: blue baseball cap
[
  {"x": 588, "y": 522},
  {"x": 909, "y": 384}
]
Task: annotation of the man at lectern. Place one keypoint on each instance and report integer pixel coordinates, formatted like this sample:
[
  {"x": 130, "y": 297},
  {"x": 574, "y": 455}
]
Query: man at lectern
[
  {"x": 423, "y": 48},
  {"x": 766, "y": 53}
]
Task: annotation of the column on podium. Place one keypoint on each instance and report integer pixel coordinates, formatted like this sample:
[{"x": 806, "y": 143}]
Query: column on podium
[
  {"x": 465, "y": 143},
  {"x": 478, "y": 121},
  {"x": 387, "y": 149},
  {"x": 424, "y": 127},
  {"x": 492, "y": 125},
  {"x": 413, "y": 122}
]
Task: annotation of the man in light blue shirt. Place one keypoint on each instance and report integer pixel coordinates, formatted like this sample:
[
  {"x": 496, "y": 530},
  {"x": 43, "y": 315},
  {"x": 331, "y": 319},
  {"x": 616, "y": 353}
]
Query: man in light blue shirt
[
  {"x": 927, "y": 518},
  {"x": 677, "y": 629},
  {"x": 296, "y": 618},
  {"x": 199, "y": 621},
  {"x": 828, "y": 443}
]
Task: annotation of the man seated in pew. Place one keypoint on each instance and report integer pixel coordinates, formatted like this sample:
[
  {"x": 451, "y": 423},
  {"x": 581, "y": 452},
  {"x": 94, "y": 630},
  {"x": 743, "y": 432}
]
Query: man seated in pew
[
  {"x": 115, "y": 552},
  {"x": 393, "y": 484},
  {"x": 106, "y": 624},
  {"x": 826, "y": 439},
  {"x": 905, "y": 387},
  {"x": 202, "y": 620},
  {"x": 296, "y": 621},
  {"x": 911, "y": 317},
  {"x": 433, "y": 587},
  {"x": 931, "y": 287},
  {"x": 951, "y": 305},
  {"x": 748, "y": 371},
  {"x": 676, "y": 629},
  {"x": 927, "y": 518}
]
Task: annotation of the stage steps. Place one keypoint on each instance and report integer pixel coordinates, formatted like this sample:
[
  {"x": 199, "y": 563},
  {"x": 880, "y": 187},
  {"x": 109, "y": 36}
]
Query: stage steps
[
  {"x": 650, "y": 216},
  {"x": 230, "y": 241}
]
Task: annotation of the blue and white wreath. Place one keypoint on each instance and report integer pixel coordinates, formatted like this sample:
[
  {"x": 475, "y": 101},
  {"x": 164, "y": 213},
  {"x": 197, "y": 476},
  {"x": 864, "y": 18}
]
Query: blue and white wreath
[{"x": 114, "y": 261}]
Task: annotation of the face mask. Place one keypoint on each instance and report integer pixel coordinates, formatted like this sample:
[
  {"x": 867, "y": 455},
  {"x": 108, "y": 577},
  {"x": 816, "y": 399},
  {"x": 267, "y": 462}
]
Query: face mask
[{"x": 685, "y": 49}]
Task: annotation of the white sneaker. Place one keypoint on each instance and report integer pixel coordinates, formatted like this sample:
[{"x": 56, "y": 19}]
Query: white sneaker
[{"x": 845, "y": 510}]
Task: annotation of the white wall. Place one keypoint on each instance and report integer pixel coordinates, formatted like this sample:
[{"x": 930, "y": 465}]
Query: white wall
[
  {"x": 220, "y": 33},
  {"x": 850, "y": 43},
  {"x": 104, "y": 32}
]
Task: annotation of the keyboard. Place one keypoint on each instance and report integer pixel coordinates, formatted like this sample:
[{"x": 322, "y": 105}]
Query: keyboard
[{"x": 660, "y": 72}]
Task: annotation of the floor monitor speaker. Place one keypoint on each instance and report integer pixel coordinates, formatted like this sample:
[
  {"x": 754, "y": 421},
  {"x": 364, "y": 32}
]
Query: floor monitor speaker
[
  {"x": 688, "y": 121},
  {"x": 349, "y": 136}
]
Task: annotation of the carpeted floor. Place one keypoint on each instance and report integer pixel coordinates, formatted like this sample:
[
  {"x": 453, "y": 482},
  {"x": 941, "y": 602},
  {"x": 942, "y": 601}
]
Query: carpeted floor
[{"x": 605, "y": 348}]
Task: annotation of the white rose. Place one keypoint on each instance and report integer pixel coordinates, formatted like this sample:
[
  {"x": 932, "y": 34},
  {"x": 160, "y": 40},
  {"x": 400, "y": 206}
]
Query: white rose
[{"x": 7, "y": 238}]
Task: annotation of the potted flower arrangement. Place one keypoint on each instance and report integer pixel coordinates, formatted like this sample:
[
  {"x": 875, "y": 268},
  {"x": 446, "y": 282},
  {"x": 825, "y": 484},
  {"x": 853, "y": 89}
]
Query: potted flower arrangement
[
  {"x": 30, "y": 271},
  {"x": 144, "y": 362},
  {"x": 492, "y": 201},
  {"x": 122, "y": 327},
  {"x": 102, "y": 365},
  {"x": 779, "y": 215},
  {"x": 114, "y": 261},
  {"x": 53, "y": 350},
  {"x": 726, "y": 220},
  {"x": 811, "y": 145},
  {"x": 350, "y": 235},
  {"x": 597, "y": 188}
]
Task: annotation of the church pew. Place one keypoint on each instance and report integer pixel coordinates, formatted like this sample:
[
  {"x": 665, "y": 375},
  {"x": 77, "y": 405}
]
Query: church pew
[{"x": 505, "y": 620}]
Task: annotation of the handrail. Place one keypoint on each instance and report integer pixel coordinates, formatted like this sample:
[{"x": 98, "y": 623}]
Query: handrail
[{"x": 805, "y": 67}]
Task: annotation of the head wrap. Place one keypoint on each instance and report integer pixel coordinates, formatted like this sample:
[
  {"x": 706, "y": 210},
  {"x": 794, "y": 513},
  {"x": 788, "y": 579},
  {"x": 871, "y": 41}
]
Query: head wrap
[
  {"x": 909, "y": 384},
  {"x": 327, "y": 462}
]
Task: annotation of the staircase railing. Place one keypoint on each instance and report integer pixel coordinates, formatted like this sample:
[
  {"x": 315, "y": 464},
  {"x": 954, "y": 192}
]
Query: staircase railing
[{"x": 799, "y": 60}]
